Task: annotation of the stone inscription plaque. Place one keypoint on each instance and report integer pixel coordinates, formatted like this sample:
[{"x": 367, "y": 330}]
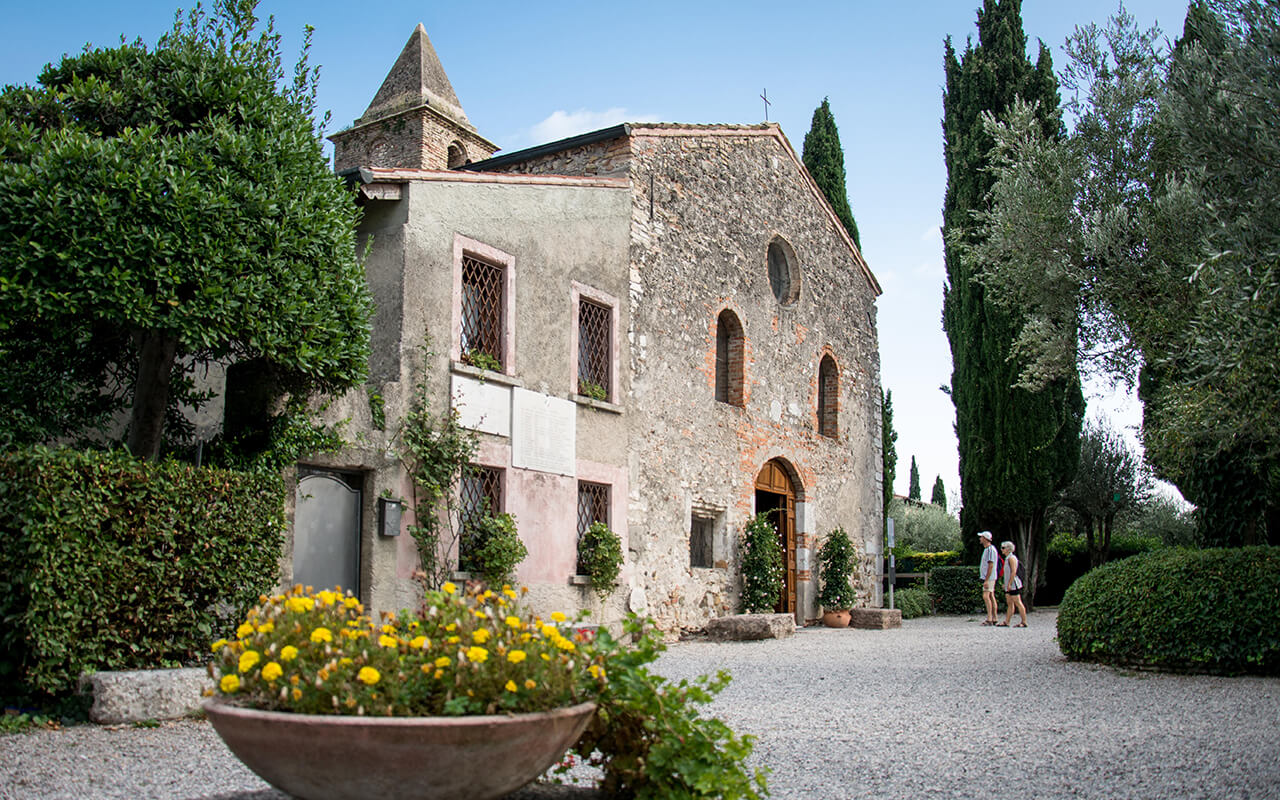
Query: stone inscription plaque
[
  {"x": 482, "y": 406},
  {"x": 543, "y": 432}
]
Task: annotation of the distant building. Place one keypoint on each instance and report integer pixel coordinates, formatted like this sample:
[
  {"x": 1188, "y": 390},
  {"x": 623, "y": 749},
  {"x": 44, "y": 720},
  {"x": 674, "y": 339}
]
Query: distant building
[{"x": 679, "y": 333}]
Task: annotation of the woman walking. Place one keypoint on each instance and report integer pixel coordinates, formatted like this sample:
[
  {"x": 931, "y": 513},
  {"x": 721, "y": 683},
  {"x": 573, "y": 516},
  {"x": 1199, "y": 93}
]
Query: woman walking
[{"x": 1012, "y": 588}]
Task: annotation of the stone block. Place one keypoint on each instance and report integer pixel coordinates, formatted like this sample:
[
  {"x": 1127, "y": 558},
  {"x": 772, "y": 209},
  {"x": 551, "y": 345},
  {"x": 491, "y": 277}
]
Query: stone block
[
  {"x": 749, "y": 627},
  {"x": 876, "y": 618},
  {"x": 137, "y": 695}
]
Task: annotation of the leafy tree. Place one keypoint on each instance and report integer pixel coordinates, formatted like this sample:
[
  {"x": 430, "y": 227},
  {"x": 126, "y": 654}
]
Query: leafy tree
[
  {"x": 1017, "y": 446},
  {"x": 939, "y": 497},
  {"x": 1149, "y": 242},
  {"x": 924, "y": 529},
  {"x": 913, "y": 489},
  {"x": 1108, "y": 482},
  {"x": 824, "y": 158},
  {"x": 165, "y": 209},
  {"x": 888, "y": 448}
]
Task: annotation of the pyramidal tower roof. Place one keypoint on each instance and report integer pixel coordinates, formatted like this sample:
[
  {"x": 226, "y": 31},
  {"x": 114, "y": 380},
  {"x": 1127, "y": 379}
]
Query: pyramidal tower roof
[{"x": 416, "y": 79}]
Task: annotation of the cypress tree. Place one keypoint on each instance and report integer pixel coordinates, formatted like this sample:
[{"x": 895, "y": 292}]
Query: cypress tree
[
  {"x": 913, "y": 492},
  {"x": 824, "y": 159},
  {"x": 939, "y": 498},
  {"x": 888, "y": 448},
  {"x": 1017, "y": 447}
]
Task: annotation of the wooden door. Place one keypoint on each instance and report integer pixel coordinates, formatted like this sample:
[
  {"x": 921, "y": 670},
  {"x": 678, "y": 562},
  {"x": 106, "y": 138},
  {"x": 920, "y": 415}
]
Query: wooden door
[{"x": 776, "y": 495}]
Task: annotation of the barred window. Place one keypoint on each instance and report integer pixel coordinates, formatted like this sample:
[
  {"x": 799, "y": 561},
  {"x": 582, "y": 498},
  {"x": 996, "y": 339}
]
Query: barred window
[
  {"x": 480, "y": 495},
  {"x": 828, "y": 398},
  {"x": 593, "y": 506},
  {"x": 594, "y": 349},
  {"x": 701, "y": 530},
  {"x": 483, "y": 303}
]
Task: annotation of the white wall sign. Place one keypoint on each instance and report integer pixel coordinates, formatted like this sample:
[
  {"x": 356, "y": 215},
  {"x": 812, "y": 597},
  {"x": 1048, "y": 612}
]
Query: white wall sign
[
  {"x": 482, "y": 405},
  {"x": 543, "y": 432}
]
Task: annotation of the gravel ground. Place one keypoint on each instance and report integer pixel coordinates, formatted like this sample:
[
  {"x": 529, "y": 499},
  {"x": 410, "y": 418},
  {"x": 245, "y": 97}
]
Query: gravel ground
[{"x": 943, "y": 708}]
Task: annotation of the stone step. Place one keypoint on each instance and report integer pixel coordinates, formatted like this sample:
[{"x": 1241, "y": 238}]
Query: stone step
[{"x": 144, "y": 694}]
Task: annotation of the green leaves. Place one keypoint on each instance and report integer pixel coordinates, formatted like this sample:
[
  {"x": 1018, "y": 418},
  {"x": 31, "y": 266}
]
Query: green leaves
[
  {"x": 761, "y": 560},
  {"x": 835, "y": 569}
]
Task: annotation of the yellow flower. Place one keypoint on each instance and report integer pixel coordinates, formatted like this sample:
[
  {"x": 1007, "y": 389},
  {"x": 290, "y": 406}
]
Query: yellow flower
[
  {"x": 368, "y": 676},
  {"x": 321, "y": 635},
  {"x": 388, "y": 628},
  {"x": 487, "y": 594},
  {"x": 229, "y": 684},
  {"x": 245, "y": 630},
  {"x": 346, "y": 661},
  {"x": 419, "y": 642},
  {"x": 288, "y": 653},
  {"x": 506, "y": 589},
  {"x": 530, "y": 683},
  {"x": 438, "y": 674},
  {"x": 266, "y": 627},
  {"x": 514, "y": 622},
  {"x": 248, "y": 659},
  {"x": 481, "y": 636},
  {"x": 454, "y": 639},
  {"x": 351, "y": 602},
  {"x": 511, "y": 686},
  {"x": 549, "y": 630},
  {"x": 558, "y": 616},
  {"x": 451, "y": 627},
  {"x": 563, "y": 643},
  {"x": 449, "y": 588},
  {"x": 327, "y": 598},
  {"x": 442, "y": 661},
  {"x": 388, "y": 641},
  {"x": 218, "y": 645},
  {"x": 596, "y": 671},
  {"x": 546, "y": 657},
  {"x": 271, "y": 671},
  {"x": 296, "y": 694},
  {"x": 477, "y": 655},
  {"x": 516, "y": 656},
  {"x": 299, "y": 605}
]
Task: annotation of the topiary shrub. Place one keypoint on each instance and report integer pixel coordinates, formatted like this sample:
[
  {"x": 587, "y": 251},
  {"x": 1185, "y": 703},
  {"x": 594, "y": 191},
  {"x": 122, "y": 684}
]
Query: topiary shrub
[
  {"x": 1215, "y": 611},
  {"x": 835, "y": 567},
  {"x": 761, "y": 566},
  {"x": 913, "y": 602},
  {"x": 956, "y": 590}
]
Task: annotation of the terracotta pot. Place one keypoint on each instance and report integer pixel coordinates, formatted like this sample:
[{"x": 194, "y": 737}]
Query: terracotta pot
[
  {"x": 836, "y": 619},
  {"x": 334, "y": 757}
]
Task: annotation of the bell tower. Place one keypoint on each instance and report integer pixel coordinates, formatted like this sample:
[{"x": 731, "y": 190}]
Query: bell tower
[{"x": 415, "y": 120}]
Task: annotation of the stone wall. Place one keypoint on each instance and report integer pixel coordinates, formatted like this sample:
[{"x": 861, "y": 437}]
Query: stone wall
[{"x": 417, "y": 138}]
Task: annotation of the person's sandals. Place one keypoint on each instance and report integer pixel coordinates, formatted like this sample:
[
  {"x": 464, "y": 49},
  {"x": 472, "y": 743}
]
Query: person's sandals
[
  {"x": 1020, "y": 625},
  {"x": 1002, "y": 624},
  {"x": 989, "y": 622}
]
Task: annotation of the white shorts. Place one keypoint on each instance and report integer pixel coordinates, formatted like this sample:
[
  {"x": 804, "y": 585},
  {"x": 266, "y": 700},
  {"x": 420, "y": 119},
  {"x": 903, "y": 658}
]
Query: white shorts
[{"x": 989, "y": 586}]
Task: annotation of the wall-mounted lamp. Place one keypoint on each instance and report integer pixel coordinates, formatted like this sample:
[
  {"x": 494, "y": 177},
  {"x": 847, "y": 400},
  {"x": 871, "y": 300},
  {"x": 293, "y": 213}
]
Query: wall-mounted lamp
[{"x": 389, "y": 514}]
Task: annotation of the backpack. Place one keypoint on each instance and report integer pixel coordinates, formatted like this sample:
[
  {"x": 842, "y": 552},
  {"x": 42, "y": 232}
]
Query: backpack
[{"x": 999, "y": 566}]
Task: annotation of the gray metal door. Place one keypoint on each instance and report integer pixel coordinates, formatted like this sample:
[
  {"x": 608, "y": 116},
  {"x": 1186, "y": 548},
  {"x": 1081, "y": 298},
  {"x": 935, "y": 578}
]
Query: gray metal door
[{"x": 326, "y": 531}]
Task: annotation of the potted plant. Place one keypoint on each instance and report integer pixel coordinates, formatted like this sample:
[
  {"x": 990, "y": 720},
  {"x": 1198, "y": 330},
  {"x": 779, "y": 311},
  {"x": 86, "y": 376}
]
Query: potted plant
[
  {"x": 761, "y": 566},
  {"x": 600, "y": 557},
  {"x": 835, "y": 568},
  {"x": 323, "y": 702}
]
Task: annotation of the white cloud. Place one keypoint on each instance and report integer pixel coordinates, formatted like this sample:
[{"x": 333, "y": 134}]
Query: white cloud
[{"x": 562, "y": 124}]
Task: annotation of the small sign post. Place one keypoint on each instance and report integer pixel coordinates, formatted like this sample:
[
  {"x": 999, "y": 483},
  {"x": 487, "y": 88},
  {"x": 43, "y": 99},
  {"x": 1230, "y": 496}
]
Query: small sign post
[{"x": 893, "y": 575}]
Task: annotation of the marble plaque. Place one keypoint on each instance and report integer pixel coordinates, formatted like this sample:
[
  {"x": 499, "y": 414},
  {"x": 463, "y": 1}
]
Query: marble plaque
[
  {"x": 482, "y": 405},
  {"x": 543, "y": 432}
]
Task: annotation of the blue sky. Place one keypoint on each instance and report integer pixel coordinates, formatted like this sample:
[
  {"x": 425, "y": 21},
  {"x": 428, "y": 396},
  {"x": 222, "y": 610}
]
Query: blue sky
[{"x": 530, "y": 72}]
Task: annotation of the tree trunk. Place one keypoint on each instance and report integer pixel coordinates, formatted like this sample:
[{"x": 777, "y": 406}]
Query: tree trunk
[
  {"x": 151, "y": 394},
  {"x": 1030, "y": 550}
]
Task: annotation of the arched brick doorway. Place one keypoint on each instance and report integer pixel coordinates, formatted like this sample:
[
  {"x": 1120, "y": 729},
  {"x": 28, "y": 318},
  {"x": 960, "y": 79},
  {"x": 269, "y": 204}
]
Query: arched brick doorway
[{"x": 776, "y": 496}]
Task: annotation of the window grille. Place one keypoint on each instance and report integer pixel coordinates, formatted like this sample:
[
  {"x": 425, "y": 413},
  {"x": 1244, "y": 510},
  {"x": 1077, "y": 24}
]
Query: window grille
[
  {"x": 593, "y": 506},
  {"x": 480, "y": 495},
  {"x": 482, "y": 306},
  {"x": 828, "y": 398},
  {"x": 594, "y": 327}
]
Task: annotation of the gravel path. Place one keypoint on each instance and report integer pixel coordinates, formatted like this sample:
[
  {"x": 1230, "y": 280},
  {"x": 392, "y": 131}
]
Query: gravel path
[{"x": 943, "y": 708}]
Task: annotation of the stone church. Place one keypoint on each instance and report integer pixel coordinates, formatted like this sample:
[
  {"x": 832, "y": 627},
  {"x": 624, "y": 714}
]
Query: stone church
[{"x": 675, "y": 332}]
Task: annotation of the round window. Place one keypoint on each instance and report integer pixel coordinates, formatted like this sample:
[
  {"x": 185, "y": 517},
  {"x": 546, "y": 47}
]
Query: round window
[{"x": 784, "y": 273}]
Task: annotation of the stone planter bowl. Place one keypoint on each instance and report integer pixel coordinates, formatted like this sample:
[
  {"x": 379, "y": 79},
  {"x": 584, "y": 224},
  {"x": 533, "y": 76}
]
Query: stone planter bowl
[{"x": 334, "y": 757}]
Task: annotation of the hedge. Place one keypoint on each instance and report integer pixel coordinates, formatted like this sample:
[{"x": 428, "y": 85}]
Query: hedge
[
  {"x": 1068, "y": 559},
  {"x": 913, "y": 602},
  {"x": 113, "y": 563},
  {"x": 1214, "y": 610},
  {"x": 956, "y": 590}
]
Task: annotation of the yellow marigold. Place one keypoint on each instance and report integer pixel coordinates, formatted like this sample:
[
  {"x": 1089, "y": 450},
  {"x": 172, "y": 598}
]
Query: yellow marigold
[
  {"x": 514, "y": 622},
  {"x": 229, "y": 684},
  {"x": 248, "y": 659},
  {"x": 516, "y": 656},
  {"x": 388, "y": 641},
  {"x": 346, "y": 661},
  {"x": 271, "y": 671},
  {"x": 487, "y": 594},
  {"x": 549, "y": 631},
  {"x": 596, "y": 671},
  {"x": 245, "y": 630},
  {"x": 481, "y": 635},
  {"x": 454, "y": 639},
  {"x": 351, "y": 602},
  {"x": 530, "y": 683},
  {"x": 296, "y": 694},
  {"x": 321, "y": 635},
  {"x": 300, "y": 605},
  {"x": 506, "y": 589},
  {"x": 294, "y": 679},
  {"x": 442, "y": 661},
  {"x": 451, "y": 627},
  {"x": 563, "y": 643},
  {"x": 477, "y": 654},
  {"x": 218, "y": 645},
  {"x": 419, "y": 642},
  {"x": 439, "y": 674},
  {"x": 266, "y": 627},
  {"x": 426, "y": 669},
  {"x": 526, "y": 637},
  {"x": 558, "y": 616},
  {"x": 449, "y": 588},
  {"x": 327, "y": 598},
  {"x": 545, "y": 657},
  {"x": 511, "y": 686},
  {"x": 288, "y": 653},
  {"x": 388, "y": 628},
  {"x": 368, "y": 676}
]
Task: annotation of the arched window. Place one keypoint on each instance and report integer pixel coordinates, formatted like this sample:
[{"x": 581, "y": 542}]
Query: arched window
[
  {"x": 828, "y": 398},
  {"x": 729, "y": 359},
  {"x": 457, "y": 155}
]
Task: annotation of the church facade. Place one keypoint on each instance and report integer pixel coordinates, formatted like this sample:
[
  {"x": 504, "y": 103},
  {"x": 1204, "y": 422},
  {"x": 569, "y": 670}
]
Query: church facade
[{"x": 661, "y": 327}]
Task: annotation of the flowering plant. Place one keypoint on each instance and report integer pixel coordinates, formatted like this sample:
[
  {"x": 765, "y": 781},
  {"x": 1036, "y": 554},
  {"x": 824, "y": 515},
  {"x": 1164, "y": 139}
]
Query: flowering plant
[{"x": 473, "y": 652}]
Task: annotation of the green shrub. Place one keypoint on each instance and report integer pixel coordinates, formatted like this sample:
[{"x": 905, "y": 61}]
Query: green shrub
[
  {"x": 914, "y": 602},
  {"x": 927, "y": 528},
  {"x": 1215, "y": 610},
  {"x": 835, "y": 567},
  {"x": 114, "y": 563},
  {"x": 493, "y": 549},
  {"x": 761, "y": 566},
  {"x": 600, "y": 557},
  {"x": 908, "y": 560},
  {"x": 956, "y": 590}
]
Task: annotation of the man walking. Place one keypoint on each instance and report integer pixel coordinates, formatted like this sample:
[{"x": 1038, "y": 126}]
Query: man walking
[{"x": 987, "y": 572}]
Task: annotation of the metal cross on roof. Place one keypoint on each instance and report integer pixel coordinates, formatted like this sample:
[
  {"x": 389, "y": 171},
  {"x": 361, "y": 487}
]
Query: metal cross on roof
[{"x": 765, "y": 97}]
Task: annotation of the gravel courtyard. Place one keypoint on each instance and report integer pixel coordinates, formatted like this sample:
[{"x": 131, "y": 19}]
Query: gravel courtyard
[{"x": 942, "y": 708}]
